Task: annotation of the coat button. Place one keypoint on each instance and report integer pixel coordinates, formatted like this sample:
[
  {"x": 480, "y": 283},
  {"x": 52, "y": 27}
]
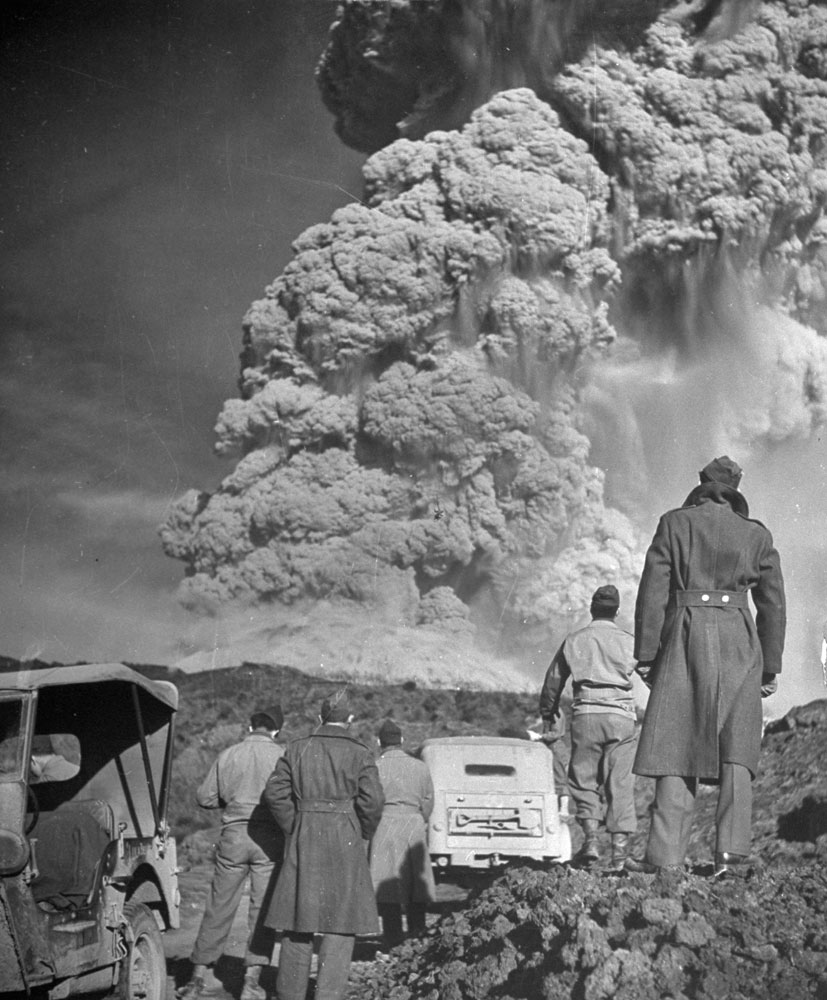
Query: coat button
[
  {"x": 704, "y": 597},
  {"x": 725, "y": 599}
]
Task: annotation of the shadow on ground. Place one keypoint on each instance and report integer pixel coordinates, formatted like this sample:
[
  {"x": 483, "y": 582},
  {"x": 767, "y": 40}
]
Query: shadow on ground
[
  {"x": 228, "y": 971},
  {"x": 805, "y": 823}
]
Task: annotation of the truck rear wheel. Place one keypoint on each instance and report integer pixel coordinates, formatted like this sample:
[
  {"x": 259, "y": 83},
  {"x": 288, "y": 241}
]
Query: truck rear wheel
[{"x": 143, "y": 973}]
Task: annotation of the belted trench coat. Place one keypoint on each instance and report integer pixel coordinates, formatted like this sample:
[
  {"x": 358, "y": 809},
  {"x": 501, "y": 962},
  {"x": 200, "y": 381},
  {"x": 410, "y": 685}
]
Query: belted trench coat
[
  {"x": 326, "y": 796},
  {"x": 693, "y": 622}
]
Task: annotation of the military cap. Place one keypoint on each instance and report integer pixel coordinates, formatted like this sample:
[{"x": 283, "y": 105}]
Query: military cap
[
  {"x": 390, "y": 734},
  {"x": 722, "y": 470},
  {"x": 606, "y": 597},
  {"x": 273, "y": 713}
]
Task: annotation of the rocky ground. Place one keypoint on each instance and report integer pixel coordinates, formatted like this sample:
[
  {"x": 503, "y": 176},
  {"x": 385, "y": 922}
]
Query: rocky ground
[{"x": 563, "y": 934}]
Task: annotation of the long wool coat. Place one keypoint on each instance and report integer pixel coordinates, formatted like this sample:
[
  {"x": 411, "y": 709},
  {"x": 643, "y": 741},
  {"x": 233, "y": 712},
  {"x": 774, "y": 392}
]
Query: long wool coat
[
  {"x": 705, "y": 705},
  {"x": 326, "y": 796},
  {"x": 399, "y": 861}
]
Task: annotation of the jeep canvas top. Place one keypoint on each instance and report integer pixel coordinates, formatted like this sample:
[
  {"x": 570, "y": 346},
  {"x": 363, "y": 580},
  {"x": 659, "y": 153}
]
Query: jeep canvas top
[{"x": 88, "y": 869}]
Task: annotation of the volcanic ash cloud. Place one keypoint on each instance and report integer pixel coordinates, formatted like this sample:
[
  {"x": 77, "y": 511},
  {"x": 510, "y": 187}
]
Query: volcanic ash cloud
[
  {"x": 417, "y": 384},
  {"x": 406, "y": 423}
]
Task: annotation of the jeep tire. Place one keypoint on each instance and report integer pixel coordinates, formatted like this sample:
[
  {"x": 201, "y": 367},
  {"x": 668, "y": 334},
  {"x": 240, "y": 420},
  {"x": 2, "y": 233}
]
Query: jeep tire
[{"x": 143, "y": 973}]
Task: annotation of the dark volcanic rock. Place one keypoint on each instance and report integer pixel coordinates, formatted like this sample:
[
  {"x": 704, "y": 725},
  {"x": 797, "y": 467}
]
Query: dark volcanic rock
[
  {"x": 565, "y": 933},
  {"x": 562, "y": 933}
]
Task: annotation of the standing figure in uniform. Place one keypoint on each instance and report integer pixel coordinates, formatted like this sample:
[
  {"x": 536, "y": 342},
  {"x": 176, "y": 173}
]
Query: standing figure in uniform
[
  {"x": 326, "y": 796},
  {"x": 599, "y": 658},
  {"x": 249, "y": 846},
  {"x": 708, "y": 664},
  {"x": 400, "y": 865}
]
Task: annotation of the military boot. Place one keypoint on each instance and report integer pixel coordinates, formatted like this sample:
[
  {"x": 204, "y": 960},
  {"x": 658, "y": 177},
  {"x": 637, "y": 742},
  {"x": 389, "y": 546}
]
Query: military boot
[
  {"x": 589, "y": 853},
  {"x": 727, "y": 863},
  {"x": 252, "y": 990},
  {"x": 643, "y": 867},
  {"x": 620, "y": 851},
  {"x": 196, "y": 987},
  {"x": 193, "y": 990}
]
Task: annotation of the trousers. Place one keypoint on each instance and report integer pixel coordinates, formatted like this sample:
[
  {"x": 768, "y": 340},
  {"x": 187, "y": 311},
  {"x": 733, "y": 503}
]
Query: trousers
[
  {"x": 241, "y": 851},
  {"x": 391, "y": 914},
  {"x": 602, "y": 753},
  {"x": 674, "y": 805},
  {"x": 335, "y": 953}
]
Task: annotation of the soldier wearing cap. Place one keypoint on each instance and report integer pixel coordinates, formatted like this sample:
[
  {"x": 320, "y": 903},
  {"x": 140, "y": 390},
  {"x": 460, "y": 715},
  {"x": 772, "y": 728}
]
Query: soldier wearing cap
[
  {"x": 326, "y": 796},
  {"x": 249, "y": 846},
  {"x": 708, "y": 664},
  {"x": 599, "y": 659},
  {"x": 400, "y": 865}
]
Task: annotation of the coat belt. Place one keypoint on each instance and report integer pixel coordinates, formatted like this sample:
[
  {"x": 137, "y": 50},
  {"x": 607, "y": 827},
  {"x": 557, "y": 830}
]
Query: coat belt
[
  {"x": 324, "y": 805},
  {"x": 712, "y": 598}
]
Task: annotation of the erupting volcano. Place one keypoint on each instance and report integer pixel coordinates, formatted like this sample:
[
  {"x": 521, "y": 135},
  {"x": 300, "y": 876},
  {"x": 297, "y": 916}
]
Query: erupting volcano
[{"x": 591, "y": 252}]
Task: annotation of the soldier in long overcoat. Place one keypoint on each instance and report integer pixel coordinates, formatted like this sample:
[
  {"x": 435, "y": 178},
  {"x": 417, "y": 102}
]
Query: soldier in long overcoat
[
  {"x": 326, "y": 796},
  {"x": 707, "y": 662},
  {"x": 400, "y": 864}
]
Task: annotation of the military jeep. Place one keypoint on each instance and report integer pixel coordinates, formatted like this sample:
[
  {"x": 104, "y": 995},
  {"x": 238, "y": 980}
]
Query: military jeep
[
  {"x": 494, "y": 802},
  {"x": 88, "y": 869}
]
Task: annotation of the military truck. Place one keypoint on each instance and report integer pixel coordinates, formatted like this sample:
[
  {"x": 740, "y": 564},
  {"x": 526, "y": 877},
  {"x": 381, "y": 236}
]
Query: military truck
[
  {"x": 494, "y": 802},
  {"x": 88, "y": 868}
]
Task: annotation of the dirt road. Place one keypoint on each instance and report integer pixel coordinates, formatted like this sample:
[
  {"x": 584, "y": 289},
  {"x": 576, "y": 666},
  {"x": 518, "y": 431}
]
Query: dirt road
[
  {"x": 229, "y": 971},
  {"x": 178, "y": 944}
]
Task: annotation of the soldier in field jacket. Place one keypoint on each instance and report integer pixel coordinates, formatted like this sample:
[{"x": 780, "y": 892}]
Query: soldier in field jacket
[
  {"x": 249, "y": 847},
  {"x": 599, "y": 659},
  {"x": 707, "y": 662}
]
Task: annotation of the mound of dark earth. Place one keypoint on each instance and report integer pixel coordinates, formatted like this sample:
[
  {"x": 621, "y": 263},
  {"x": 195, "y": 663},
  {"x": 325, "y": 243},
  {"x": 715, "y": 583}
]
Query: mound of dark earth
[{"x": 563, "y": 934}]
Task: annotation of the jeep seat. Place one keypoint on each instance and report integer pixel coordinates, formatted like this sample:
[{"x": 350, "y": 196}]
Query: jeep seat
[{"x": 71, "y": 844}]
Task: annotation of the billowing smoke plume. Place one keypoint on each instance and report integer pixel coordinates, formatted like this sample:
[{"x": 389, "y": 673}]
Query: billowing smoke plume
[{"x": 422, "y": 385}]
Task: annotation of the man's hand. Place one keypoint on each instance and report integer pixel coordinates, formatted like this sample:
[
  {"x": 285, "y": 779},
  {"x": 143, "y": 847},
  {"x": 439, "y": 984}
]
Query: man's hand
[
  {"x": 553, "y": 729},
  {"x": 644, "y": 672},
  {"x": 769, "y": 684}
]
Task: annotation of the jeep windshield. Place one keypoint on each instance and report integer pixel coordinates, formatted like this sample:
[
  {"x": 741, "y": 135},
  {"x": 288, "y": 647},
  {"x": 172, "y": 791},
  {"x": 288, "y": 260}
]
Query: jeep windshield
[{"x": 14, "y": 710}]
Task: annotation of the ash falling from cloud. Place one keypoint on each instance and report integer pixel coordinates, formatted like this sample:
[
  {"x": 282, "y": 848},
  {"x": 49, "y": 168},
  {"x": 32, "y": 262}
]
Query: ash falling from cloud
[{"x": 590, "y": 253}]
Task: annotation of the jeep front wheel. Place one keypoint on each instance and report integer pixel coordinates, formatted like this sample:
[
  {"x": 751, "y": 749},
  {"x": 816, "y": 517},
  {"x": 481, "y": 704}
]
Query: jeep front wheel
[{"x": 143, "y": 973}]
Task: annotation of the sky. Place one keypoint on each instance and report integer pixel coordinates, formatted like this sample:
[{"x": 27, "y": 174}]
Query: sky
[
  {"x": 158, "y": 160},
  {"x": 159, "y": 157}
]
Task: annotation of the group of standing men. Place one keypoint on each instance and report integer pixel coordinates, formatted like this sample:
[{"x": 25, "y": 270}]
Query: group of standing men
[
  {"x": 299, "y": 819},
  {"x": 324, "y": 799},
  {"x": 708, "y": 664}
]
